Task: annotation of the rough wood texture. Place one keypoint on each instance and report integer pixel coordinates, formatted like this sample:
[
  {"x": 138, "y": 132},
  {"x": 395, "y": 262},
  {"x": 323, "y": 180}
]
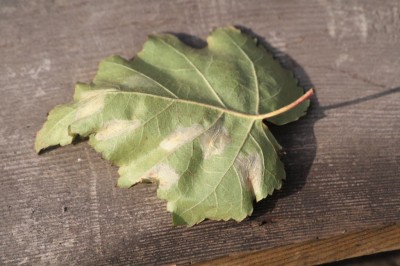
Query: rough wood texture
[
  {"x": 316, "y": 252},
  {"x": 342, "y": 159}
]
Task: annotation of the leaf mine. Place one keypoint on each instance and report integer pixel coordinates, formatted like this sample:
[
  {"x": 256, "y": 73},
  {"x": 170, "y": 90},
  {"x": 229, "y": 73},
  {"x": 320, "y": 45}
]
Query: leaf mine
[
  {"x": 181, "y": 136},
  {"x": 214, "y": 140},
  {"x": 115, "y": 128},
  {"x": 164, "y": 174},
  {"x": 94, "y": 102},
  {"x": 250, "y": 170}
]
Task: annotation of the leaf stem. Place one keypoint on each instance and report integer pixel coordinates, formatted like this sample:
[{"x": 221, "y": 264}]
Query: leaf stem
[{"x": 292, "y": 105}]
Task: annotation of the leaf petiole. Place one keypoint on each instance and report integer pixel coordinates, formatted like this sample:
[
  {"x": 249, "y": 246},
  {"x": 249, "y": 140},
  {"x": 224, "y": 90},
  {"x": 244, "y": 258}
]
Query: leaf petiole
[{"x": 292, "y": 105}]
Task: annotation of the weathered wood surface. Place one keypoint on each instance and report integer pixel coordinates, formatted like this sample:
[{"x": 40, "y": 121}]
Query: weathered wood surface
[
  {"x": 342, "y": 159},
  {"x": 319, "y": 251}
]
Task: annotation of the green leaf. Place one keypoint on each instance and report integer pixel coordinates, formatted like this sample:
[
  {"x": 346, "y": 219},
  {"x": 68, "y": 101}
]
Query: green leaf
[{"x": 188, "y": 119}]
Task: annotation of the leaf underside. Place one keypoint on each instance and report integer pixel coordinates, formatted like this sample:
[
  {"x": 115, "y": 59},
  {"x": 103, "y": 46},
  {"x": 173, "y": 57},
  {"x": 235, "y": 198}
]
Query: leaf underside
[{"x": 187, "y": 119}]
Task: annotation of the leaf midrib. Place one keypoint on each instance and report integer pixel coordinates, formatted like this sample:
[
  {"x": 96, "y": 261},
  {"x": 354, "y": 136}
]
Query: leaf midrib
[
  {"x": 256, "y": 116},
  {"x": 179, "y": 100}
]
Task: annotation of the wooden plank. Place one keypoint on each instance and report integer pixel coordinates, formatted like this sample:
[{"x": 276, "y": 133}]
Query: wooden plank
[
  {"x": 320, "y": 251},
  {"x": 342, "y": 159}
]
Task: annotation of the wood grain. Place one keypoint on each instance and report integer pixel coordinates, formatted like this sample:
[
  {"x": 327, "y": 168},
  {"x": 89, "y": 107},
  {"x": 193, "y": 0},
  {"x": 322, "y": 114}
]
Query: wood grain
[
  {"x": 342, "y": 159},
  {"x": 320, "y": 251}
]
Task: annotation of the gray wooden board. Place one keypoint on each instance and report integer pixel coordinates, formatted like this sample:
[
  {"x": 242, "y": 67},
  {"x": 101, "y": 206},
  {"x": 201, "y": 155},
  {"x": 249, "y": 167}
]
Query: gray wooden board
[{"x": 342, "y": 159}]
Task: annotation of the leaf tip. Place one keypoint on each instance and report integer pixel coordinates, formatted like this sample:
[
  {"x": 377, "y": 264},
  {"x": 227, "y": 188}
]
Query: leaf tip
[
  {"x": 38, "y": 146},
  {"x": 123, "y": 183},
  {"x": 40, "y": 142},
  {"x": 178, "y": 220}
]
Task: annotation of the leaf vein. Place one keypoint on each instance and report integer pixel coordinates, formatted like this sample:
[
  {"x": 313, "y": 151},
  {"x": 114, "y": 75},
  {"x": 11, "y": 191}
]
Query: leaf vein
[
  {"x": 146, "y": 76},
  {"x": 206, "y": 81},
  {"x": 253, "y": 68}
]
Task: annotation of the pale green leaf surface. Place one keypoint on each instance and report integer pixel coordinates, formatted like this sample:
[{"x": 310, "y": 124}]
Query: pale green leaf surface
[{"x": 189, "y": 120}]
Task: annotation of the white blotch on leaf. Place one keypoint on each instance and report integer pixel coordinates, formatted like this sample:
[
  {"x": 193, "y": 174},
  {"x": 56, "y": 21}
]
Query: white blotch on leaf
[
  {"x": 181, "y": 136},
  {"x": 164, "y": 174},
  {"x": 214, "y": 140},
  {"x": 93, "y": 102},
  {"x": 117, "y": 127},
  {"x": 250, "y": 170}
]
